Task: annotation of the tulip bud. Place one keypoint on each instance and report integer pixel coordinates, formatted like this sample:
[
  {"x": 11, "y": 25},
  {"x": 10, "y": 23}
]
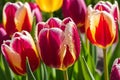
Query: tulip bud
[
  {"x": 49, "y": 5},
  {"x": 35, "y": 9},
  {"x": 18, "y": 16},
  {"x": 115, "y": 71},
  {"x": 100, "y": 26},
  {"x": 112, "y": 9},
  {"x": 76, "y": 9},
  {"x": 16, "y": 50},
  {"x": 58, "y": 42},
  {"x": 3, "y": 34}
]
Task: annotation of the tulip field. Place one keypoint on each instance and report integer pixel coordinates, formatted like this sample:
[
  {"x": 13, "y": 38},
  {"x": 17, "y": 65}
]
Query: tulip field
[{"x": 59, "y": 40}]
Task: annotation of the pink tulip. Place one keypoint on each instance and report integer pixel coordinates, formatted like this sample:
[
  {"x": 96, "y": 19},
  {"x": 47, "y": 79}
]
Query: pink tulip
[
  {"x": 76, "y": 9},
  {"x": 115, "y": 72},
  {"x": 58, "y": 42},
  {"x": 16, "y": 50},
  {"x": 35, "y": 9},
  {"x": 3, "y": 34}
]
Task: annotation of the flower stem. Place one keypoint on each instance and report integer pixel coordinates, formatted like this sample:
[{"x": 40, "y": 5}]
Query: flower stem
[
  {"x": 65, "y": 74},
  {"x": 105, "y": 65},
  {"x": 51, "y": 14}
]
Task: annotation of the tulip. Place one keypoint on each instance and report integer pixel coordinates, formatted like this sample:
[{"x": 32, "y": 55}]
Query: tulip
[
  {"x": 18, "y": 16},
  {"x": 49, "y": 5},
  {"x": 115, "y": 71},
  {"x": 112, "y": 9},
  {"x": 100, "y": 27},
  {"x": 35, "y": 9},
  {"x": 3, "y": 34},
  {"x": 76, "y": 9},
  {"x": 58, "y": 42},
  {"x": 16, "y": 50}
]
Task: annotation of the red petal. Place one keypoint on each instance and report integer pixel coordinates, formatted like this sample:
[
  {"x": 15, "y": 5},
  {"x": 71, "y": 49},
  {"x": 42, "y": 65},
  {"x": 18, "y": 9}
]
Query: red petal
[
  {"x": 8, "y": 17},
  {"x": 49, "y": 42},
  {"x": 54, "y": 22},
  {"x": 103, "y": 35}
]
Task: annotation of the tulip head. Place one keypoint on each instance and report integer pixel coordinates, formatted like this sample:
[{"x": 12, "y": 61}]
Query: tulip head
[
  {"x": 76, "y": 9},
  {"x": 115, "y": 71},
  {"x": 3, "y": 34},
  {"x": 49, "y": 5},
  {"x": 16, "y": 50},
  {"x": 100, "y": 27},
  {"x": 19, "y": 16},
  {"x": 58, "y": 42},
  {"x": 36, "y": 11},
  {"x": 112, "y": 9}
]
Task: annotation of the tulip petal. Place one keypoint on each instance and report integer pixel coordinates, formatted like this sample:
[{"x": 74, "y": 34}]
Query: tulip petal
[
  {"x": 102, "y": 7},
  {"x": 115, "y": 11},
  {"x": 18, "y": 49},
  {"x": 102, "y": 28},
  {"x": 54, "y": 22},
  {"x": 36, "y": 11},
  {"x": 115, "y": 71},
  {"x": 3, "y": 34},
  {"x": 52, "y": 38},
  {"x": 76, "y": 9},
  {"x": 72, "y": 42},
  {"x": 24, "y": 18},
  {"x": 49, "y": 5},
  {"x": 13, "y": 59},
  {"x": 9, "y": 11}
]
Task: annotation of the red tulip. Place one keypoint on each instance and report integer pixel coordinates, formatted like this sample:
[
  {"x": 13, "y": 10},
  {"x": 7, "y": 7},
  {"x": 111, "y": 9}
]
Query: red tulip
[
  {"x": 112, "y": 9},
  {"x": 115, "y": 72},
  {"x": 18, "y": 16},
  {"x": 76, "y": 9},
  {"x": 58, "y": 42},
  {"x": 100, "y": 27},
  {"x": 16, "y": 50}
]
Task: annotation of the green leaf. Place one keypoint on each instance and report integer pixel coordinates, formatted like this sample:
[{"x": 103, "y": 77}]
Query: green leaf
[
  {"x": 37, "y": 74},
  {"x": 29, "y": 71},
  {"x": 77, "y": 73},
  {"x": 2, "y": 74},
  {"x": 86, "y": 71},
  {"x": 97, "y": 76},
  {"x": 51, "y": 73},
  {"x": 59, "y": 75},
  {"x": 8, "y": 73},
  {"x": 115, "y": 54},
  {"x": 93, "y": 53},
  {"x": 33, "y": 28},
  {"x": 44, "y": 73},
  {"x": 90, "y": 60}
]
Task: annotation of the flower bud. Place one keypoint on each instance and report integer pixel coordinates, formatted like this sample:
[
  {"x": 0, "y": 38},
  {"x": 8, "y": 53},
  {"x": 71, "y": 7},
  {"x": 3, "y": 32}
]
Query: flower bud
[
  {"x": 58, "y": 42},
  {"x": 115, "y": 72},
  {"x": 100, "y": 26},
  {"x": 76, "y": 9},
  {"x": 16, "y": 50}
]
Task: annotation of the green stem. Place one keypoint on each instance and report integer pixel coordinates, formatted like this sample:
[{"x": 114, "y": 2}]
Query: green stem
[
  {"x": 105, "y": 65},
  {"x": 51, "y": 14},
  {"x": 65, "y": 75}
]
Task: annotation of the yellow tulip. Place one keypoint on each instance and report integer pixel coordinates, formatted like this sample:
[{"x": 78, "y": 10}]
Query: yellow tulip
[{"x": 49, "y": 5}]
